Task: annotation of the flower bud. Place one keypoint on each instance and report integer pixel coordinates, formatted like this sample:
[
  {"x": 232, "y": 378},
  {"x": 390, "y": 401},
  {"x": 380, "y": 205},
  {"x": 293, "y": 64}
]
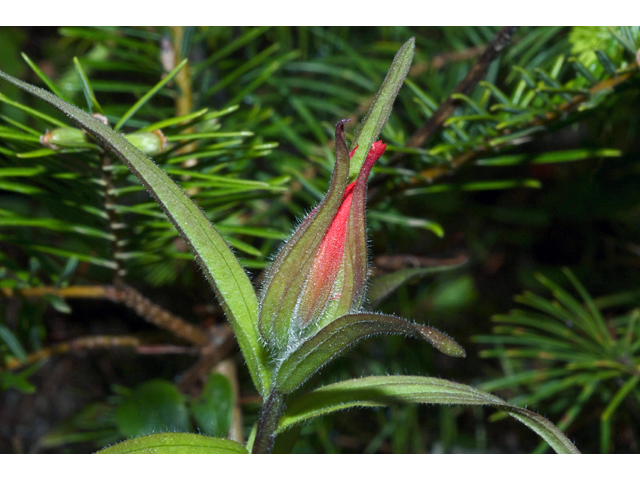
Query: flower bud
[
  {"x": 63, "y": 137},
  {"x": 320, "y": 274},
  {"x": 149, "y": 143}
]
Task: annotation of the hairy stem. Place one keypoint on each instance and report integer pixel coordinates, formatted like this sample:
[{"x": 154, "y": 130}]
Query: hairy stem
[{"x": 268, "y": 423}]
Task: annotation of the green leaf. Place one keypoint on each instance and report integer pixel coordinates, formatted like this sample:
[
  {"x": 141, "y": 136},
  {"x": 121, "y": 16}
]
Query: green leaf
[
  {"x": 89, "y": 95},
  {"x": 345, "y": 332},
  {"x": 606, "y": 62},
  {"x": 381, "y": 108},
  {"x": 383, "y": 286},
  {"x": 383, "y": 391},
  {"x": 230, "y": 47},
  {"x": 407, "y": 221},
  {"x": 48, "y": 82},
  {"x": 13, "y": 343},
  {"x": 152, "y": 407},
  {"x": 29, "y": 111},
  {"x": 147, "y": 96},
  {"x": 620, "y": 395},
  {"x": 176, "y": 443},
  {"x": 475, "y": 186},
  {"x": 213, "y": 409},
  {"x": 169, "y": 122},
  {"x": 548, "y": 157},
  {"x": 20, "y": 380},
  {"x": 220, "y": 266}
]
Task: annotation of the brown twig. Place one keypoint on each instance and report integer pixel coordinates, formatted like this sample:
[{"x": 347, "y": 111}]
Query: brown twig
[
  {"x": 468, "y": 83},
  {"x": 400, "y": 262},
  {"x": 184, "y": 99},
  {"x": 441, "y": 60},
  {"x": 436, "y": 62},
  {"x": 76, "y": 345},
  {"x": 128, "y": 296},
  {"x": 157, "y": 315},
  {"x": 81, "y": 291},
  {"x": 430, "y": 174},
  {"x": 221, "y": 343},
  {"x": 96, "y": 342}
]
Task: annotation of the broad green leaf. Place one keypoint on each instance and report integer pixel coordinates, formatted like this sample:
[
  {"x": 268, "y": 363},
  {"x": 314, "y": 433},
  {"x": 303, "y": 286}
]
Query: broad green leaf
[
  {"x": 221, "y": 268},
  {"x": 345, "y": 332},
  {"x": 384, "y": 285},
  {"x": 176, "y": 443},
  {"x": 154, "y": 406},
  {"x": 393, "y": 390},
  {"x": 213, "y": 409},
  {"x": 381, "y": 108}
]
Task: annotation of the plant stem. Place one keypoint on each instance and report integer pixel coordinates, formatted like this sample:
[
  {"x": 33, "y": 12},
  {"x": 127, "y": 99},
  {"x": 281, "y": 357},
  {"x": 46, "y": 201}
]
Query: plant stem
[{"x": 268, "y": 423}]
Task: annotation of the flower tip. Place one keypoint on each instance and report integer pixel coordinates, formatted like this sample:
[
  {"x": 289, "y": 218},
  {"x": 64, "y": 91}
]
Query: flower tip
[
  {"x": 341, "y": 123},
  {"x": 376, "y": 151}
]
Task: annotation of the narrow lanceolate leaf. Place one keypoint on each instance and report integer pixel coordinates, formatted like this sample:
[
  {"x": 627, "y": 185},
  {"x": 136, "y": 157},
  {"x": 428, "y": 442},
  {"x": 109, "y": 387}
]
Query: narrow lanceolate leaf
[
  {"x": 383, "y": 391},
  {"x": 384, "y": 285},
  {"x": 345, "y": 332},
  {"x": 381, "y": 108},
  {"x": 176, "y": 443},
  {"x": 220, "y": 266}
]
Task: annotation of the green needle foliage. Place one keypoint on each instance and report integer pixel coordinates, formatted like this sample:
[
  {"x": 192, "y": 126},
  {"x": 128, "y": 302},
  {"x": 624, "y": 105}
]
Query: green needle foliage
[
  {"x": 242, "y": 120},
  {"x": 276, "y": 372},
  {"x": 571, "y": 357}
]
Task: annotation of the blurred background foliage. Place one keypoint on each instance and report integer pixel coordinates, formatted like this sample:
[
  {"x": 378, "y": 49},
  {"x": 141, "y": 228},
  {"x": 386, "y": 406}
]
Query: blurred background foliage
[{"x": 534, "y": 169}]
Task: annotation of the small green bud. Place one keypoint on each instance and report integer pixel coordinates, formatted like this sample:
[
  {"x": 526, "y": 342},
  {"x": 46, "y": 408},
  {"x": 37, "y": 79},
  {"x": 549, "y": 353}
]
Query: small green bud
[
  {"x": 149, "y": 143},
  {"x": 63, "y": 137}
]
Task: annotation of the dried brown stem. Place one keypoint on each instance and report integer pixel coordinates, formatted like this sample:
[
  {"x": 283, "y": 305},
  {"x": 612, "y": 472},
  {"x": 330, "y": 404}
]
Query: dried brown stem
[
  {"x": 221, "y": 343},
  {"x": 441, "y": 60},
  {"x": 400, "y": 262},
  {"x": 76, "y": 345},
  {"x": 93, "y": 291},
  {"x": 128, "y": 296},
  {"x": 184, "y": 99},
  {"x": 157, "y": 315},
  {"x": 95, "y": 343}
]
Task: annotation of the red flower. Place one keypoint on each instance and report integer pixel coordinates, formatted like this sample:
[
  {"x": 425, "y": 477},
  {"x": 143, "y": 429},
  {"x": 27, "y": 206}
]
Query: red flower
[
  {"x": 330, "y": 256},
  {"x": 320, "y": 274}
]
